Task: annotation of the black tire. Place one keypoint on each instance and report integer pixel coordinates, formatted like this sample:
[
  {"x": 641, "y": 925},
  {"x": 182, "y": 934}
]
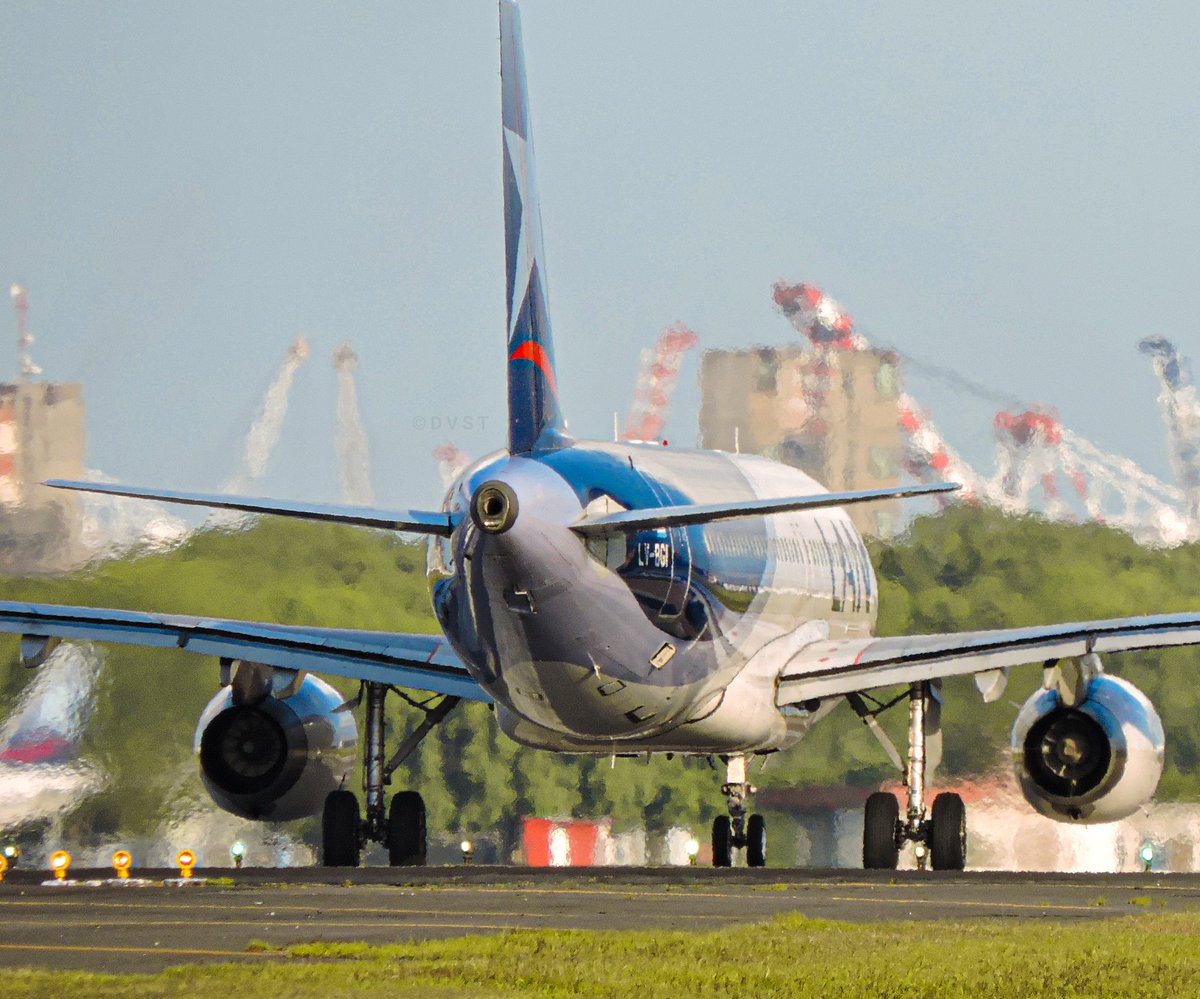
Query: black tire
[
  {"x": 340, "y": 843},
  {"x": 406, "y": 830},
  {"x": 722, "y": 842},
  {"x": 881, "y": 852},
  {"x": 756, "y": 842},
  {"x": 948, "y": 838}
]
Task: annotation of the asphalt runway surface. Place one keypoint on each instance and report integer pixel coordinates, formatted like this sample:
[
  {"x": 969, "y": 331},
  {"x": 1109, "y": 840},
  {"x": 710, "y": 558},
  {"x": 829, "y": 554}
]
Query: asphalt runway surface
[{"x": 146, "y": 929}]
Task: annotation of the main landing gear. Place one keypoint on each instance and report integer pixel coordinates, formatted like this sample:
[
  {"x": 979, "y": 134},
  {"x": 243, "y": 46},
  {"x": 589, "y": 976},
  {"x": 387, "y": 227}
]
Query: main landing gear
[
  {"x": 402, "y": 826},
  {"x": 735, "y": 830},
  {"x": 940, "y": 836}
]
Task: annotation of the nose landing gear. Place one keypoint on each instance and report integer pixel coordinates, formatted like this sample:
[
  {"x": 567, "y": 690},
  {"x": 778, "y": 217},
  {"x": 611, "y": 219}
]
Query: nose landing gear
[
  {"x": 402, "y": 826},
  {"x": 736, "y": 830}
]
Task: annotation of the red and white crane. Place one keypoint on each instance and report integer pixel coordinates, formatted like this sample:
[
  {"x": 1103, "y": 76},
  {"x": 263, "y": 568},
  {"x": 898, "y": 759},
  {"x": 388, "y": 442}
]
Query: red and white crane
[
  {"x": 1181, "y": 411},
  {"x": 26, "y": 369},
  {"x": 350, "y": 437},
  {"x": 658, "y": 374},
  {"x": 1040, "y": 464},
  {"x": 267, "y": 427},
  {"x": 451, "y": 461}
]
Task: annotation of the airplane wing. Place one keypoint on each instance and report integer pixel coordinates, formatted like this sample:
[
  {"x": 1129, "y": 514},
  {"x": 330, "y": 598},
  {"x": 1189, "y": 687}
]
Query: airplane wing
[
  {"x": 425, "y": 662},
  {"x": 705, "y": 513},
  {"x": 832, "y": 668},
  {"x": 416, "y": 521}
]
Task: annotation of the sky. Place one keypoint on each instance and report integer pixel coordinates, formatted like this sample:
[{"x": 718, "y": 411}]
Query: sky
[{"x": 1007, "y": 190}]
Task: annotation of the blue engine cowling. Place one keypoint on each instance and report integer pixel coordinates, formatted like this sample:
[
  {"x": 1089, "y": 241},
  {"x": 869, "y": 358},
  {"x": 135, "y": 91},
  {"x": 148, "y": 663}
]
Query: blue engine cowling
[
  {"x": 1098, "y": 761},
  {"x": 276, "y": 758}
]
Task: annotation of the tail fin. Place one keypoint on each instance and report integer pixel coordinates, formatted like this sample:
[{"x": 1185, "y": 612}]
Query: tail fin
[{"x": 535, "y": 419}]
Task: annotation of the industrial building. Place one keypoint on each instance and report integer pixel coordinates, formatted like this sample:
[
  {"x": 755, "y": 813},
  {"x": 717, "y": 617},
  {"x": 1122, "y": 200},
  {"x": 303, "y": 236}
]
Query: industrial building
[
  {"x": 831, "y": 414},
  {"x": 41, "y": 437}
]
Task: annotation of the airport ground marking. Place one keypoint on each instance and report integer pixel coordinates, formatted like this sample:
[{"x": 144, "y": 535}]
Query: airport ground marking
[
  {"x": 683, "y": 893},
  {"x": 291, "y": 909},
  {"x": 172, "y": 951},
  {"x": 281, "y": 924},
  {"x": 967, "y": 903}
]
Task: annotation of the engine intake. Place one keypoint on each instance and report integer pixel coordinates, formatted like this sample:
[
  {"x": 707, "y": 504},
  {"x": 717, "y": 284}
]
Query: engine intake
[
  {"x": 276, "y": 758},
  {"x": 1097, "y": 761}
]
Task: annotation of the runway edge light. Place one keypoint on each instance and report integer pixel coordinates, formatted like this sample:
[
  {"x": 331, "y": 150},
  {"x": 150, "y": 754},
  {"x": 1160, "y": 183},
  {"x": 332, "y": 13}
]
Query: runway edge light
[
  {"x": 60, "y": 863},
  {"x": 185, "y": 860},
  {"x": 122, "y": 861}
]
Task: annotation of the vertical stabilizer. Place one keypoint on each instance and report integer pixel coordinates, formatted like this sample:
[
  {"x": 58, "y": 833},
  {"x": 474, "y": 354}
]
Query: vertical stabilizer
[{"x": 535, "y": 419}]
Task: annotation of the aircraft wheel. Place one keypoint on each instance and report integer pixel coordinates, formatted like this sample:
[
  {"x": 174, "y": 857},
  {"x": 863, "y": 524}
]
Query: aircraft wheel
[
  {"x": 722, "y": 842},
  {"x": 406, "y": 830},
  {"x": 756, "y": 842},
  {"x": 948, "y": 846},
  {"x": 340, "y": 844},
  {"x": 880, "y": 850}
]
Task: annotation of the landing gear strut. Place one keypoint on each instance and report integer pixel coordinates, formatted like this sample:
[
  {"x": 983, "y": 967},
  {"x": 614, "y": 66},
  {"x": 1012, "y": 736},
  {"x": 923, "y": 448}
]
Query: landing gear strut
[
  {"x": 735, "y": 830},
  {"x": 402, "y": 827},
  {"x": 939, "y": 835}
]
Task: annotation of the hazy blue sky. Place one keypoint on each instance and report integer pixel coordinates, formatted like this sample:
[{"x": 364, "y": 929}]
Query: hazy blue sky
[{"x": 1007, "y": 189}]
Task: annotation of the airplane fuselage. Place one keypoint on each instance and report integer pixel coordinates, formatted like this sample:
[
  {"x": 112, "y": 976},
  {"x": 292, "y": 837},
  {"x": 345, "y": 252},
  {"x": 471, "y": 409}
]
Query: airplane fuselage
[{"x": 668, "y": 639}]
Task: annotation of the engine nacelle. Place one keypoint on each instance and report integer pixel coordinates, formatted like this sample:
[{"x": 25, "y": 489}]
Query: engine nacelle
[
  {"x": 1096, "y": 762},
  {"x": 276, "y": 758}
]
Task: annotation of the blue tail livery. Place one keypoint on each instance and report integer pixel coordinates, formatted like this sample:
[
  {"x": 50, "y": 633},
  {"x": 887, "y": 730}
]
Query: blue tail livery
[{"x": 535, "y": 419}]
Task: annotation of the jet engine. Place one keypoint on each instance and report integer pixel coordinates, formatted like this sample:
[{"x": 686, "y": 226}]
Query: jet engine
[
  {"x": 1096, "y": 761},
  {"x": 263, "y": 756}
]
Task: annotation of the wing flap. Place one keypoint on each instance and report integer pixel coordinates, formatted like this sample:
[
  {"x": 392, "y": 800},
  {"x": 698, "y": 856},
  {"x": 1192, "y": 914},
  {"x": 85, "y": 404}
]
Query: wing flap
[
  {"x": 425, "y": 662},
  {"x": 704, "y": 513},
  {"x": 417, "y": 521},
  {"x": 832, "y": 668}
]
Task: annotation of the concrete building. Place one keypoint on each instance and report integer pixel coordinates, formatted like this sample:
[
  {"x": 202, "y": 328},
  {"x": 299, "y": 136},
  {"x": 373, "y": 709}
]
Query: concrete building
[
  {"x": 41, "y": 437},
  {"x": 830, "y": 413}
]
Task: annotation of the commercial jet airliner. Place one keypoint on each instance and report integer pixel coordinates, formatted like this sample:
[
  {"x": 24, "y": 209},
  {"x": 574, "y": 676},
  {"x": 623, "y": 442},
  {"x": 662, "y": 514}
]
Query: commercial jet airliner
[
  {"x": 41, "y": 772},
  {"x": 624, "y": 598}
]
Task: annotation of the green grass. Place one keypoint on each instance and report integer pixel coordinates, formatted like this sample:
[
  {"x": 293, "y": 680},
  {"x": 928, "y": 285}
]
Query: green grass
[{"x": 1144, "y": 955}]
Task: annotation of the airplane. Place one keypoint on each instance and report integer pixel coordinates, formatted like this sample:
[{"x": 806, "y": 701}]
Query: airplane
[
  {"x": 628, "y": 598},
  {"x": 42, "y": 776}
]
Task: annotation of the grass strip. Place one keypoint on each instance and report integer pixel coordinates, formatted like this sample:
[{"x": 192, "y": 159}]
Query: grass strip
[{"x": 1142, "y": 955}]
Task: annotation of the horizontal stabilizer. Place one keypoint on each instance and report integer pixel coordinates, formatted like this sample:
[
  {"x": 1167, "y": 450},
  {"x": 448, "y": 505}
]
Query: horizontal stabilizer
[
  {"x": 417, "y": 521},
  {"x": 705, "y": 513}
]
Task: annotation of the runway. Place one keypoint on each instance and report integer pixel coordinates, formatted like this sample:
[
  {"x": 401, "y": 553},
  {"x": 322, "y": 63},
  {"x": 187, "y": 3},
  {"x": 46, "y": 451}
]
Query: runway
[{"x": 150, "y": 928}]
